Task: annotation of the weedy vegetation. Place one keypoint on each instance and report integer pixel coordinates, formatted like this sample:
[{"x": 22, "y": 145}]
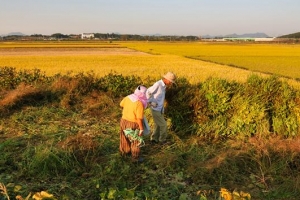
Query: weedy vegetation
[{"x": 229, "y": 138}]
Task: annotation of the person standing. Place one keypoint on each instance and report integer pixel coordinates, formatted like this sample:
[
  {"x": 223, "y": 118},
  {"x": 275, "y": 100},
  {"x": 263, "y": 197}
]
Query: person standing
[
  {"x": 156, "y": 97},
  {"x": 131, "y": 123}
]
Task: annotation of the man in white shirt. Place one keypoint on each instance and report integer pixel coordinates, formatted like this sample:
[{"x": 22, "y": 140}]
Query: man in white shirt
[{"x": 156, "y": 97}]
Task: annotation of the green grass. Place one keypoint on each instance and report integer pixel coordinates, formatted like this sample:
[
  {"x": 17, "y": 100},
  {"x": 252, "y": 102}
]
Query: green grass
[{"x": 61, "y": 135}]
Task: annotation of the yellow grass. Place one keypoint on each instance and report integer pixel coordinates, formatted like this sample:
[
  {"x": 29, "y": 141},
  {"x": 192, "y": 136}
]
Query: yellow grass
[
  {"x": 103, "y": 58},
  {"x": 141, "y": 65},
  {"x": 281, "y": 59}
]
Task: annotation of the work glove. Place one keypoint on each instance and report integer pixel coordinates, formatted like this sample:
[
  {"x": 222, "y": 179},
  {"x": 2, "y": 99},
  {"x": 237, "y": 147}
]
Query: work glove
[
  {"x": 141, "y": 133},
  {"x": 153, "y": 104}
]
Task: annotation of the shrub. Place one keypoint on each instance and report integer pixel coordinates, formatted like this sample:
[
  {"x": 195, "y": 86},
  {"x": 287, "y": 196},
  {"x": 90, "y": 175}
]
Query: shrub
[
  {"x": 10, "y": 78},
  {"x": 118, "y": 85},
  {"x": 178, "y": 107}
]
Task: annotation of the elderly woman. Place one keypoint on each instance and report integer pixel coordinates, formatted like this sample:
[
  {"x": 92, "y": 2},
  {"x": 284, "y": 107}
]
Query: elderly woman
[{"x": 131, "y": 123}]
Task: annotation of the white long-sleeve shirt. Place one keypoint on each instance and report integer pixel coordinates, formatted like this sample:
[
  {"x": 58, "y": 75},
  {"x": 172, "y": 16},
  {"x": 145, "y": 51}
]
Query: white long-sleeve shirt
[{"x": 156, "y": 93}]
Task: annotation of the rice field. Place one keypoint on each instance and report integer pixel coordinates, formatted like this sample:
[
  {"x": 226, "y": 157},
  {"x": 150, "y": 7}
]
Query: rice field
[
  {"x": 279, "y": 59},
  {"x": 193, "y": 61}
]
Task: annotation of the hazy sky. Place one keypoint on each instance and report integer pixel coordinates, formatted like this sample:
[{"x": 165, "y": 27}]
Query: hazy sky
[{"x": 167, "y": 17}]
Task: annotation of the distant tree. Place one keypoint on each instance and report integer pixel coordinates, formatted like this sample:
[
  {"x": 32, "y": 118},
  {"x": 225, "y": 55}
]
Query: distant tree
[
  {"x": 293, "y": 35},
  {"x": 101, "y": 35},
  {"x": 192, "y": 38},
  {"x": 59, "y": 35},
  {"x": 124, "y": 37},
  {"x": 13, "y": 37},
  {"x": 36, "y": 35}
]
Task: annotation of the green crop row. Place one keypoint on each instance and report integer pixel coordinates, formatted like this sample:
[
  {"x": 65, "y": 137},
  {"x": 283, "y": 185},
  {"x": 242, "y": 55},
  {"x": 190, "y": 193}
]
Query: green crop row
[{"x": 218, "y": 108}]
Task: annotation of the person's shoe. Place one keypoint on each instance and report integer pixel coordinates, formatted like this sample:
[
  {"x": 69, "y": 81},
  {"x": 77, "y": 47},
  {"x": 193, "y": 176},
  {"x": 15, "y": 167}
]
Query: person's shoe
[
  {"x": 140, "y": 160},
  {"x": 137, "y": 160}
]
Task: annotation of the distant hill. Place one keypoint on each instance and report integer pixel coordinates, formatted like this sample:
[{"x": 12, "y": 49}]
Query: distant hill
[
  {"x": 15, "y": 33},
  {"x": 249, "y": 35},
  {"x": 246, "y": 35},
  {"x": 293, "y": 35}
]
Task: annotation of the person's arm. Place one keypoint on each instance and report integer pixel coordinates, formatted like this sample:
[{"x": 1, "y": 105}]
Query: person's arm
[
  {"x": 140, "y": 123},
  {"x": 150, "y": 94},
  {"x": 139, "y": 114}
]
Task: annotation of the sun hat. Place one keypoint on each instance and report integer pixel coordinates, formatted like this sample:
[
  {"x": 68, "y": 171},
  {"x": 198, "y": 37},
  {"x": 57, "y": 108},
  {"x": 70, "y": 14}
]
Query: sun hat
[{"x": 170, "y": 76}]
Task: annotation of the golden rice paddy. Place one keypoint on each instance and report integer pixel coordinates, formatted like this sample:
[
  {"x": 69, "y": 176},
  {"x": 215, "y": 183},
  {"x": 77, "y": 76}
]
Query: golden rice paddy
[{"x": 155, "y": 58}]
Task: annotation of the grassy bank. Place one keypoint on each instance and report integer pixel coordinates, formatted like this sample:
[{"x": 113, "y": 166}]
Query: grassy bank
[{"x": 60, "y": 134}]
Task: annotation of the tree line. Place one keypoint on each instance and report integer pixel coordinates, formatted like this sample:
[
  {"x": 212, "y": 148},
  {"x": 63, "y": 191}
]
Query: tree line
[{"x": 103, "y": 36}]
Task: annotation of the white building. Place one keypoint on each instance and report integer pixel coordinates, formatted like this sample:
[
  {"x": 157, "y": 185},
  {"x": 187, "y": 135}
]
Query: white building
[
  {"x": 87, "y": 35},
  {"x": 264, "y": 39}
]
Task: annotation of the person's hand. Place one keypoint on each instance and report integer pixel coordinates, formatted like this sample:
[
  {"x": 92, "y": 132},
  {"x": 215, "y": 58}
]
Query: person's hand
[
  {"x": 153, "y": 104},
  {"x": 141, "y": 133}
]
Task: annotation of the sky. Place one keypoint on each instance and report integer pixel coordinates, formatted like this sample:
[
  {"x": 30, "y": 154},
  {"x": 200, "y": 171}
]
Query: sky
[{"x": 166, "y": 17}]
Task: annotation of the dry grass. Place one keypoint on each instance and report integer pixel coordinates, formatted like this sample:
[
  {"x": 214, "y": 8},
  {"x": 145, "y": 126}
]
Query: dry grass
[
  {"x": 276, "y": 144},
  {"x": 259, "y": 147},
  {"x": 98, "y": 104},
  {"x": 3, "y": 191},
  {"x": 13, "y": 96},
  {"x": 80, "y": 141}
]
